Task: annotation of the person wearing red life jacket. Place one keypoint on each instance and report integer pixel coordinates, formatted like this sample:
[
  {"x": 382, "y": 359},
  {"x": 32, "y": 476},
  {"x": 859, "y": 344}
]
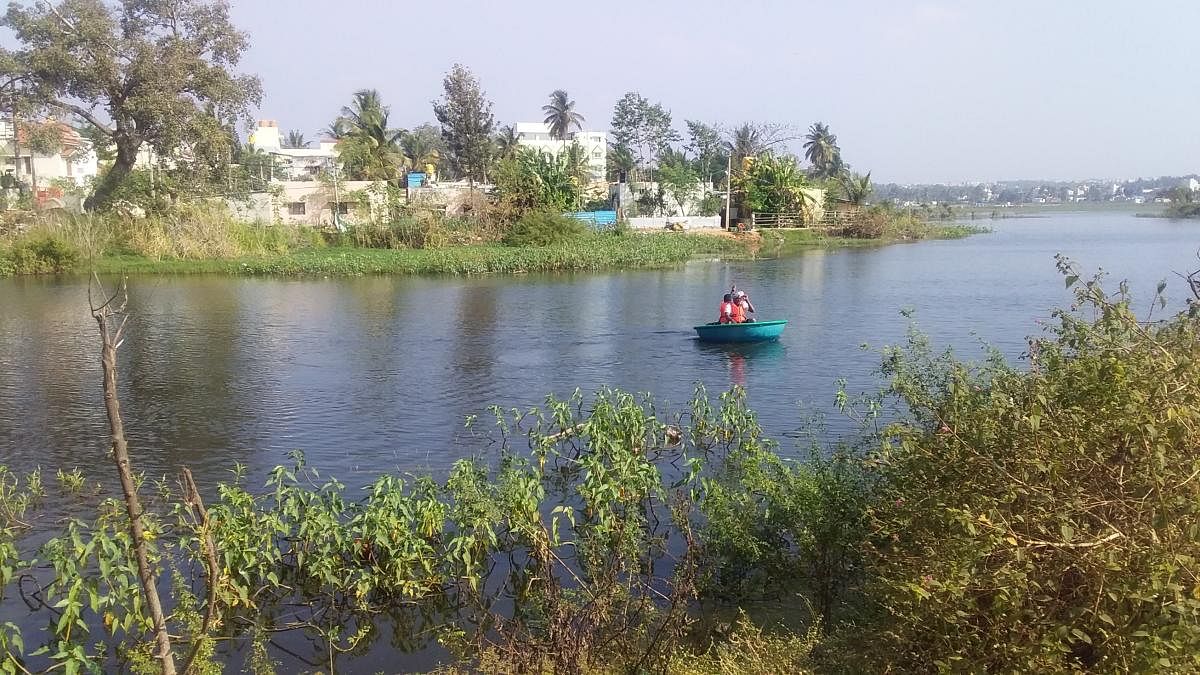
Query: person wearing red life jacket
[{"x": 730, "y": 312}]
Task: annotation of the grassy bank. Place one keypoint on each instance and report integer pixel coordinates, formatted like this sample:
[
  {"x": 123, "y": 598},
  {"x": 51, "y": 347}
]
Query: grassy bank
[
  {"x": 594, "y": 252},
  {"x": 202, "y": 244}
]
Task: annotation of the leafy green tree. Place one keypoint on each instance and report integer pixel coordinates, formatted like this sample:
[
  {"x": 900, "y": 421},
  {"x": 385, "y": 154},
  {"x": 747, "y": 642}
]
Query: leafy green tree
[
  {"x": 370, "y": 149},
  {"x": 422, "y": 147},
  {"x": 529, "y": 180},
  {"x": 467, "y": 122},
  {"x": 295, "y": 139},
  {"x": 506, "y": 141},
  {"x": 775, "y": 184},
  {"x": 822, "y": 151},
  {"x": 854, "y": 188},
  {"x": 709, "y": 150},
  {"x": 337, "y": 129},
  {"x": 620, "y": 162},
  {"x": 151, "y": 67},
  {"x": 561, "y": 115},
  {"x": 642, "y": 128},
  {"x": 679, "y": 180}
]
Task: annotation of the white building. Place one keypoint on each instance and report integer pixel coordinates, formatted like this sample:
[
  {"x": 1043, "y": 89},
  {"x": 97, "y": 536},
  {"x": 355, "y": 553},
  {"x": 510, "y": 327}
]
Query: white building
[
  {"x": 1193, "y": 184},
  {"x": 75, "y": 161},
  {"x": 537, "y": 135},
  {"x": 299, "y": 164}
]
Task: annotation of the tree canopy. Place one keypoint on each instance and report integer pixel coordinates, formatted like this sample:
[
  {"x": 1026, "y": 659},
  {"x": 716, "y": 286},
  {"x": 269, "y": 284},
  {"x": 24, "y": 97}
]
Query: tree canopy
[
  {"x": 561, "y": 115},
  {"x": 642, "y": 128},
  {"x": 467, "y": 122},
  {"x": 142, "y": 72}
]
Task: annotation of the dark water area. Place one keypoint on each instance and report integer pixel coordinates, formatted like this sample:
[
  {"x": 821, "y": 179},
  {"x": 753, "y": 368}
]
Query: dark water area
[{"x": 377, "y": 374}]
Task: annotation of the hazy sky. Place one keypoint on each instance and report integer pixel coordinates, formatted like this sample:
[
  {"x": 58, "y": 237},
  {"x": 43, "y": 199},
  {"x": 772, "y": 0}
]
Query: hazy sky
[{"x": 915, "y": 91}]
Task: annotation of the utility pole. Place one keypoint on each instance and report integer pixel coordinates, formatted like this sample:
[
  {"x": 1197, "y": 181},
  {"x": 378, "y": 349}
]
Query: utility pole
[
  {"x": 337, "y": 225},
  {"x": 728, "y": 186}
]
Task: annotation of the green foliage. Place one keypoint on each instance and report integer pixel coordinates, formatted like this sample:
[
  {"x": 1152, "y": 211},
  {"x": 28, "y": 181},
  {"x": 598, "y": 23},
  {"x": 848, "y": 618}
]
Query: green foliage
[
  {"x": 40, "y": 253},
  {"x": 467, "y": 122},
  {"x": 775, "y": 184},
  {"x": 679, "y": 180},
  {"x": 1048, "y": 520},
  {"x": 822, "y": 151},
  {"x": 641, "y": 129},
  {"x": 368, "y": 148},
  {"x": 544, "y": 228},
  {"x": 561, "y": 115},
  {"x": 157, "y": 70},
  {"x": 528, "y": 180}
]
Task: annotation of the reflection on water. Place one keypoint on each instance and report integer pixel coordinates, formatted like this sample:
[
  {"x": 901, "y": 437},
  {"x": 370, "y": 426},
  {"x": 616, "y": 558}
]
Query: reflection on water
[
  {"x": 376, "y": 374},
  {"x": 737, "y": 356}
]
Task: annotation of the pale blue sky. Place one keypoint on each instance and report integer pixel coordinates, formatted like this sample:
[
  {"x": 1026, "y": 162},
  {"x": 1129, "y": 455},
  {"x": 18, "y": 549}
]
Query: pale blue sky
[{"x": 916, "y": 91}]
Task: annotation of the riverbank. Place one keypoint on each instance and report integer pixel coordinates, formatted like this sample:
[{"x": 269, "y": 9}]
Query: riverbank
[{"x": 46, "y": 253}]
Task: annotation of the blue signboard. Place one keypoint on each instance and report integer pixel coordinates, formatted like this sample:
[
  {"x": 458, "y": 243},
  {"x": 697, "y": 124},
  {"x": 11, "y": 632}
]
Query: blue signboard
[
  {"x": 416, "y": 179},
  {"x": 595, "y": 217}
]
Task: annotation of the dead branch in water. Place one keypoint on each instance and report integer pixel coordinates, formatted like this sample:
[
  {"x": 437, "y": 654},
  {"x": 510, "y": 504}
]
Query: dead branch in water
[{"x": 111, "y": 318}]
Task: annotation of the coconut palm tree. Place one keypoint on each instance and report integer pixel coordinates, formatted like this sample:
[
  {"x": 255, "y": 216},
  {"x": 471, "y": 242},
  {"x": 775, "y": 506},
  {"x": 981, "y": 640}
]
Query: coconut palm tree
[
  {"x": 855, "y": 188},
  {"x": 561, "y": 115},
  {"x": 822, "y": 151},
  {"x": 295, "y": 139},
  {"x": 420, "y": 150},
  {"x": 370, "y": 150},
  {"x": 506, "y": 141},
  {"x": 337, "y": 129}
]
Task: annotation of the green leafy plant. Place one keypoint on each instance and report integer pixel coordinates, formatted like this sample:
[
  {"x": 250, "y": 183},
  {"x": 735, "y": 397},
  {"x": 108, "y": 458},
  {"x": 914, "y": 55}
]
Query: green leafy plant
[{"x": 544, "y": 228}]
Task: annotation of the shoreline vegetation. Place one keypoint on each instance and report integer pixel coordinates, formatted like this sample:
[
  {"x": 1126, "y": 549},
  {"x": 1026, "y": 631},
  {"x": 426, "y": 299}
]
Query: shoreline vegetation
[
  {"x": 987, "y": 517},
  {"x": 202, "y": 243}
]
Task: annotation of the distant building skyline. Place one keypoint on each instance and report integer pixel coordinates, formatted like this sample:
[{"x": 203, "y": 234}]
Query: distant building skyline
[{"x": 924, "y": 91}]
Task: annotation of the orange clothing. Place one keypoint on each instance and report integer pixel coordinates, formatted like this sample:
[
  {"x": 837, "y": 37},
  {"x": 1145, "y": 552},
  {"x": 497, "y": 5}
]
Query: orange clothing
[{"x": 731, "y": 312}]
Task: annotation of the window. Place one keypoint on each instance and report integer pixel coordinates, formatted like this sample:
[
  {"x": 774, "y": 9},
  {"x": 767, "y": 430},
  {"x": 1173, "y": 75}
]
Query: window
[
  {"x": 296, "y": 209},
  {"x": 343, "y": 208},
  {"x": 596, "y": 154}
]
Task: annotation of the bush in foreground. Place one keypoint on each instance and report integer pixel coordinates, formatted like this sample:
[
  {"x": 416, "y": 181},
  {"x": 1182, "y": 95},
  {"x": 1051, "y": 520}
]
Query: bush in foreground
[{"x": 544, "y": 228}]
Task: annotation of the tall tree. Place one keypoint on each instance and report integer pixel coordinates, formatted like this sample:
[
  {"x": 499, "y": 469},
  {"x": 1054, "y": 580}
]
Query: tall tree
[
  {"x": 506, "y": 141},
  {"x": 370, "y": 149},
  {"x": 561, "y": 115},
  {"x": 295, "y": 139},
  {"x": 642, "y": 128},
  {"x": 855, "y": 188},
  {"x": 140, "y": 72},
  {"x": 822, "y": 151},
  {"x": 708, "y": 150},
  {"x": 467, "y": 122},
  {"x": 422, "y": 147}
]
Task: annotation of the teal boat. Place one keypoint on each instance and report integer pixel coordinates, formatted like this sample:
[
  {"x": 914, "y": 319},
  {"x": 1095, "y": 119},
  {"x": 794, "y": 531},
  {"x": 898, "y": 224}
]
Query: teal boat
[{"x": 753, "y": 331}]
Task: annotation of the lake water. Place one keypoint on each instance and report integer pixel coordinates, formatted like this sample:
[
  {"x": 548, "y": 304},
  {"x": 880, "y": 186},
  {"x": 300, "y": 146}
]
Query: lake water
[{"x": 377, "y": 374}]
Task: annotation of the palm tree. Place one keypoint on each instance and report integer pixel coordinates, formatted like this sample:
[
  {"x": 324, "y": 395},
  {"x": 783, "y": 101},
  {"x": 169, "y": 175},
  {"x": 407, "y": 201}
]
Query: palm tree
[
  {"x": 506, "y": 141},
  {"x": 337, "y": 129},
  {"x": 295, "y": 139},
  {"x": 561, "y": 115},
  {"x": 821, "y": 150},
  {"x": 419, "y": 150},
  {"x": 855, "y": 188},
  {"x": 369, "y": 149}
]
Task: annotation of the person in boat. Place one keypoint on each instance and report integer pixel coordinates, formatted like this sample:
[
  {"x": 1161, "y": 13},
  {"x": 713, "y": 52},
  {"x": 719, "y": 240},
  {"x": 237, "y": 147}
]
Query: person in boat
[
  {"x": 742, "y": 300},
  {"x": 731, "y": 312}
]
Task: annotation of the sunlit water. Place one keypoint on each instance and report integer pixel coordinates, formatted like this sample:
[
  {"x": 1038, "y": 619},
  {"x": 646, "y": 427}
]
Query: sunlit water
[{"x": 377, "y": 374}]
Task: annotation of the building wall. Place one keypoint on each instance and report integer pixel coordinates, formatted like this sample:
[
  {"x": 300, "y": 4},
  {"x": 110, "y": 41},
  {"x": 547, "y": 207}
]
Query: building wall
[
  {"x": 536, "y": 135},
  {"x": 309, "y": 203}
]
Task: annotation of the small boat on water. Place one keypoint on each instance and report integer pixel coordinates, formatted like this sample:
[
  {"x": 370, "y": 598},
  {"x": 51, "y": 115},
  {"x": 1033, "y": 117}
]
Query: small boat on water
[{"x": 751, "y": 331}]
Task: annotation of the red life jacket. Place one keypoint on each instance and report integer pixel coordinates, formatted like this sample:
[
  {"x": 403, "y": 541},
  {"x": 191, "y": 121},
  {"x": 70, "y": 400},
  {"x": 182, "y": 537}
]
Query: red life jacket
[{"x": 727, "y": 313}]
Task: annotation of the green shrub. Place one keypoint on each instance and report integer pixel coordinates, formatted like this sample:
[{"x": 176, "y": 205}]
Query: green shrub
[
  {"x": 42, "y": 254},
  {"x": 544, "y": 228},
  {"x": 1045, "y": 520}
]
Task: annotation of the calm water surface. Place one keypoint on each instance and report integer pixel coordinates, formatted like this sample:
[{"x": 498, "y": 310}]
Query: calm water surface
[{"x": 377, "y": 374}]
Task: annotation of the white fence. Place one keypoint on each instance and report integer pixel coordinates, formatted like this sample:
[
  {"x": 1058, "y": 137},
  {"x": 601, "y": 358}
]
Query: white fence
[{"x": 688, "y": 222}]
